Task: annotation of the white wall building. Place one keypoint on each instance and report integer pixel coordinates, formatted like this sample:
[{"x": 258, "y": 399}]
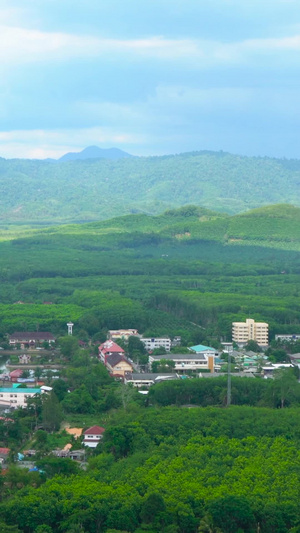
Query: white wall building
[
  {"x": 288, "y": 337},
  {"x": 184, "y": 362},
  {"x": 153, "y": 343},
  {"x": 16, "y": 397}
]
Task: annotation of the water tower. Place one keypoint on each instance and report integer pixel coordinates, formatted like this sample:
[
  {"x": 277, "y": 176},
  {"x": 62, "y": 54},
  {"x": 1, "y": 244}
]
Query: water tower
[{"x": 70, "y": 328}]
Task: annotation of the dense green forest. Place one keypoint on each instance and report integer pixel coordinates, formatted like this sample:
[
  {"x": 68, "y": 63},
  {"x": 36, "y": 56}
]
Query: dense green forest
[
  {"x": 170, "y": 469},
  {"x": 189, "y": 271},
  {"x": 96, "y": 189}
]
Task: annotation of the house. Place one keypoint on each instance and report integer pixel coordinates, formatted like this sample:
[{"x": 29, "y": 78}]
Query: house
[
  {"x": 114, "y": 334},
  {"x": 147, "y": 379},
  {"x": 153, "y": 343},
  {"x": 30, "y": 339},
  {"x": 118, "y": 365},
  {"x": 14, "y": 375},
  {"x": 16, "y": 397},
  {"x": 242, "y": 332},
  {"x": 193, "y": 361},
  {"x": 4, "y": 453},
  {"x": 109, "y": 348},
  {"x": 92, "y": 436}
]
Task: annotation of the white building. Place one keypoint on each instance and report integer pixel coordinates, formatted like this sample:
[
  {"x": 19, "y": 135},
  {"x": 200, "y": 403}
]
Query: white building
[
  {"x": 92, "y": 436},
  {"x": 147, "y": 379},
  {"x": 153, "y": 343},
  {"x": 16, "y": 397},
  {"x": 184, "y": 362},
  {"x": 288, "y": 337}
]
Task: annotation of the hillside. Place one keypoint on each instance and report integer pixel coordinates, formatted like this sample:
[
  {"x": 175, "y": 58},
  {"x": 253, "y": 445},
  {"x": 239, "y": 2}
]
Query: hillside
[
  {"x": 98, "y": 189},
  {"x": 275, "y": 226}
]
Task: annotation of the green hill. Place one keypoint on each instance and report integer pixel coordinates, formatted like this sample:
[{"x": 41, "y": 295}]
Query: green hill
[{"x": 98, "y": 189}]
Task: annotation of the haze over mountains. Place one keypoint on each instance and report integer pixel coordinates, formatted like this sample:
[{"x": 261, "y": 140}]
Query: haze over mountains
[
  {"x": 94, "y": 187},
  {"x": 94, "y": 152}
]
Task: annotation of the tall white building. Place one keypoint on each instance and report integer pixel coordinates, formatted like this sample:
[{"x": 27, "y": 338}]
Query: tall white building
[
  {"x": 242, "y": 332},
  {"x": 152, "y": 344}
]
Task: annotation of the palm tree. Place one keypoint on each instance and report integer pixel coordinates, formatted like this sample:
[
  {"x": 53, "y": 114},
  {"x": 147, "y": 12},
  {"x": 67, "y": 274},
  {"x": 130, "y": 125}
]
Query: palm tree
[{"x": 207, "y": 525}]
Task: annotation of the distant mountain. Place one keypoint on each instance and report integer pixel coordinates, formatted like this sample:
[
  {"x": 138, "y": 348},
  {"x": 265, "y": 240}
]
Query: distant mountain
[
  {"x": 94, "y": 152},
  {"x": 99, "y": 188}
]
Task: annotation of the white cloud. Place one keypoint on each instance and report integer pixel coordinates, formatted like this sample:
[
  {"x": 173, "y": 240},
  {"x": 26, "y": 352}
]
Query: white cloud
[
  {"x": 54, "y": 143},
  {"x": 20, "y": 45}
]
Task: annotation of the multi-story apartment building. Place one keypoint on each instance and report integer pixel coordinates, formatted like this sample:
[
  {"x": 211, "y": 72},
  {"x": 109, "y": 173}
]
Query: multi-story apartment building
[
  {"x": 242, "y": 332},
  {"x": 151, "y": 344}
]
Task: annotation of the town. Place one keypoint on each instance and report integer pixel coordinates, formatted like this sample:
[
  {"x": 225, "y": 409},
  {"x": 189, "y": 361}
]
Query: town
[{"x": 37, "y": 366}]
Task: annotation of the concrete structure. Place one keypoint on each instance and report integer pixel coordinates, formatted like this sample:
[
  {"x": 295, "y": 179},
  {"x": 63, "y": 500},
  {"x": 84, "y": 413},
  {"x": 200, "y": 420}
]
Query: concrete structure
[
  {"x": 185, "y": 362},
  {"x": 24, "y": 359},
  {"x": 30, "y": 339},
  {"x": 115, "y": 334},
  {"x": 147, "y": 379},
  {"x": 153, "y": 343},
  {"x": 242, "y": 332},
  {"x": 16, "y": 397},
  {"x": 70, "y": 328},
  {"x": 92, "y": 436},
  {"x": 288, "y": 337}
]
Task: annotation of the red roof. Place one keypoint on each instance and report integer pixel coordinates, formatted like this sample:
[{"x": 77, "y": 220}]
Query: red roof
[
  {"x": 110, "y": 347},
  {"x": 94, "y": 430},
  {"x": 4, "y": 451},
  {"x": 16, "y": 373}
]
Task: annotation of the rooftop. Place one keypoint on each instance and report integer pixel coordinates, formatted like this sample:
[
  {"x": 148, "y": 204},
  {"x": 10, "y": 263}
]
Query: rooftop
[
  {"x": 19, "y": 390},
  {"x": 202, "y": 348},
  {"x": 94, "y": 430}
]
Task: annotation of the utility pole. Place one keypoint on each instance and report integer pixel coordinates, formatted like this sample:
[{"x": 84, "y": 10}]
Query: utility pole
[{"x": 229, "y": 380}]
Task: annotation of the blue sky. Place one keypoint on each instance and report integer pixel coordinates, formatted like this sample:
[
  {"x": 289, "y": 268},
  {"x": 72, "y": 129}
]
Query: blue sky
[{"x": 149, "y": 76}]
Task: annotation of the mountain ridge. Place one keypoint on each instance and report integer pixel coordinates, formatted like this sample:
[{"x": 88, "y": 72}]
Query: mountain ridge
[{"x": 99, "y": 189}]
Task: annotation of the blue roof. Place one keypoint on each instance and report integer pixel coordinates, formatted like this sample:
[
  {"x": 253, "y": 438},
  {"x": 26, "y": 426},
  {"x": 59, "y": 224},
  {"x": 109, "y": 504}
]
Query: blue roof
[
  {"x": 15, "y": 390},
  {"x": 201, "y": 348}
]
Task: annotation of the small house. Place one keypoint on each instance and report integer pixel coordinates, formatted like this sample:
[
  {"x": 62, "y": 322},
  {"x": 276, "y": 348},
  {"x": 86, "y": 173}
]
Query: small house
[{"x": 92, "y": 436}]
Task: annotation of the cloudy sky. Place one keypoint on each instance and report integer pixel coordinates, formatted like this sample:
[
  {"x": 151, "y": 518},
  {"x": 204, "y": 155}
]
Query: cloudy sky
[{"x": 149, "y": 76}]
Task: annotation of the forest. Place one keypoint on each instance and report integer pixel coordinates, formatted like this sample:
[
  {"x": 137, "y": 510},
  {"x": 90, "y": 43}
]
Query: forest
[
  {"x": 96, "y": 189},
  {"x": 188, "y": 272},
  {"x": 176, "y": 460}
]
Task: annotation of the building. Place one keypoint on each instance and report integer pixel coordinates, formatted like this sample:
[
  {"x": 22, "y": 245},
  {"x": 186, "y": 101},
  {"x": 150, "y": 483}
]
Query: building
[
  {"x": 118, "y": 365},
  {"x": 92, "y": 436},
  {"x": 186, "y": 362},
  {"x": 147, "y": 379},
  {"x": 109, "y": 348},
  {"x": 242, "y": 332},
  {"x": 16, "y": 397},
  {"x": 288, "y": 337},
  {"x": 124, "y": 334},
  {"x": 152, "y": 344},
  {"x": 30, "y": 339}
]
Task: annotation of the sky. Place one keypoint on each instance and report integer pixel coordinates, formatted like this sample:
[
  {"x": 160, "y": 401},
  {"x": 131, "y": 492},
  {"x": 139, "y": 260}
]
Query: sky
[{"x": 150, "y": 77}]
